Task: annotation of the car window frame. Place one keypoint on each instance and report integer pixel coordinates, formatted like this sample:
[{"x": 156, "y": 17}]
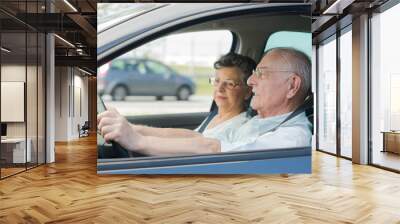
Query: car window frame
[{"x": 118, "y": 47}]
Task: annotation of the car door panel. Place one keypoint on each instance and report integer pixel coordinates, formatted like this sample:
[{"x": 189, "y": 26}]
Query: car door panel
[{"x": 293, "y": 160}]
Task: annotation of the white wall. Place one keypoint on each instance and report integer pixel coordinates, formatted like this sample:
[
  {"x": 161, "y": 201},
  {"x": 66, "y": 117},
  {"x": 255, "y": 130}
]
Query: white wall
[
  {"x": 33, "y": 125},
  {"x": 12, "y": 101},
  {"x": 61, "y": 103},
  {"x": 69, "y": 85},
  {"x": 16, "y": 73}
]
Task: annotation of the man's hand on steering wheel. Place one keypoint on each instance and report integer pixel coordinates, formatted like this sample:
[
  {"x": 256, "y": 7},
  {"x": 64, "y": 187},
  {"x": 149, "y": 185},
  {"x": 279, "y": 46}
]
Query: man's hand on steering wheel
[{"x": 114, "y": 127}]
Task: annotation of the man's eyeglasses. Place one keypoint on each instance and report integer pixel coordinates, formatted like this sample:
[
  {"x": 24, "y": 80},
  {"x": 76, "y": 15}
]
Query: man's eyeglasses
[
  {"x": 229, "y": 84},
  {"x": 262, "y": 71}
]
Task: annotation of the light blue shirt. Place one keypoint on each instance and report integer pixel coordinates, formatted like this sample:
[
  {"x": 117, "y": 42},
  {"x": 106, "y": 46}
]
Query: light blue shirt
[{"x": 259, "y": 134}]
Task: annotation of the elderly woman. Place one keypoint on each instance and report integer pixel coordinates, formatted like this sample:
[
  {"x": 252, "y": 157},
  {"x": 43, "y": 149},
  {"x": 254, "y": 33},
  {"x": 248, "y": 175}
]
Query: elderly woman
[{"x": 231, "y": 94}]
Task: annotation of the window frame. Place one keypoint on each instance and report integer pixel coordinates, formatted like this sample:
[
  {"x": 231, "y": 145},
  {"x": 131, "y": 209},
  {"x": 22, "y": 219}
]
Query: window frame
[
  {"x": 40, "y": 45},
  {"x": 325, "y": 34},
  {"x": 381, "y": 9},
  {"x": 334, "y": 36}
]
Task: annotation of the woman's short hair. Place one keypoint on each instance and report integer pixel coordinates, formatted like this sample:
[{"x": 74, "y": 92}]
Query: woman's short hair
[{"x": 245, "y": 64}]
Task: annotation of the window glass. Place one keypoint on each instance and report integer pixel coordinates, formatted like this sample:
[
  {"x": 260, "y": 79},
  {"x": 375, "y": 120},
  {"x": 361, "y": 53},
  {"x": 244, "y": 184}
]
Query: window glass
[
  {"x": 15, "y": 156},
  {"x": 298, "y": 40},
  {"x": 141, "y": 68},
  {"x": 327, "y": 96},
  {"x": 172, "y": 75},
  {"x": 157, "y": 68},
  {"x": 394, "y": 102},
  {"x": 130, "y": 66},
  {"x": 22, "y": 88},
  {"x": 346, "y": 94},
  {"x": 118, "y": 65},
  {"x": 385, "y": 88}
]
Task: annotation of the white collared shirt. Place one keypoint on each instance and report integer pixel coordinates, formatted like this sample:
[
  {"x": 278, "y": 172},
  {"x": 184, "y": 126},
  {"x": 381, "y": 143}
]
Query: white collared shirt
[
  {"x": 259, "y": 134},
  {"x": 225, "y": 127}
]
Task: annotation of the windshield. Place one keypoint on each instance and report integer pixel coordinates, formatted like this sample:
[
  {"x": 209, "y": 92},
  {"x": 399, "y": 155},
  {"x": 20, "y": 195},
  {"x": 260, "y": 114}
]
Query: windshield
[{"x": 109, "y": 14}]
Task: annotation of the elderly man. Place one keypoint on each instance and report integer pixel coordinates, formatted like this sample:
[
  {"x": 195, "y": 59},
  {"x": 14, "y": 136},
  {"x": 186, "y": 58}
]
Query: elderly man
[{"x": 280, "y": 84}]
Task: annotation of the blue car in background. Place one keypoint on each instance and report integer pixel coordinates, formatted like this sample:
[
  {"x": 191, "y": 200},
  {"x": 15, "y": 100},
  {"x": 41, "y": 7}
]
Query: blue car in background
[{"x": 143, "y": 77}]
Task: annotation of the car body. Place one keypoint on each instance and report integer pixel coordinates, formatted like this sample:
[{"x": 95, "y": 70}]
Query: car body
[
  {"x": 143, "y": 77},
  {"x": 251, "y": 25}
]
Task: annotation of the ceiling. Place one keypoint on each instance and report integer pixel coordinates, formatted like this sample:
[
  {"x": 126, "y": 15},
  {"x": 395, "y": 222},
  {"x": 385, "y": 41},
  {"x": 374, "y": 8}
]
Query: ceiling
[
  {"x": 74, "y": 22},
  {"x": 325, "y": 13}
]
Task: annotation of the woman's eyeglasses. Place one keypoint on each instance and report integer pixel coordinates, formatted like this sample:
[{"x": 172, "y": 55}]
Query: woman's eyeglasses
[{"x": 229, "y": 84}]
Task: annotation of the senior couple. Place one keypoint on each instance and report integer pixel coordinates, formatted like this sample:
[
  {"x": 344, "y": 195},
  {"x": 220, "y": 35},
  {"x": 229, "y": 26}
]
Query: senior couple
[{"x": 278, "y": 85}]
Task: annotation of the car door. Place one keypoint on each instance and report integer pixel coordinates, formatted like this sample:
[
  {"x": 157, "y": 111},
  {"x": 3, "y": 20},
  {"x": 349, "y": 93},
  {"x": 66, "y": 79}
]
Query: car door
[
  {"x": 161, "y": 78},
  {"x": 137, "y": 77},
  {"x": 281, "y": 161},
  {"x": 139, "y": 31}
]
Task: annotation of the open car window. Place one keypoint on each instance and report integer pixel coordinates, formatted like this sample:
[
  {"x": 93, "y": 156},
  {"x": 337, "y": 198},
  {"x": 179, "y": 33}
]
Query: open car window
[{"x": 173, "y": 74}]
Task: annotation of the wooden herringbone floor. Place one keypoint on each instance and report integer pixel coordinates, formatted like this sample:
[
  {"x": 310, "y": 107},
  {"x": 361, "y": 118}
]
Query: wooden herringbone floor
[{"x": 70, "y": 191}]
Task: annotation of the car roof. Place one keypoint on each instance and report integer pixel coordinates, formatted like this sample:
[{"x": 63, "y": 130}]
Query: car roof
[
  {"x": 125, "y": 33},
  {"x": 146, "y": 19}
]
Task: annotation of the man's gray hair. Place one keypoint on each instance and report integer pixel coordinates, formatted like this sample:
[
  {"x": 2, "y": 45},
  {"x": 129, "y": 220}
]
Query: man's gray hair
[{"x": 300, "y": 64}]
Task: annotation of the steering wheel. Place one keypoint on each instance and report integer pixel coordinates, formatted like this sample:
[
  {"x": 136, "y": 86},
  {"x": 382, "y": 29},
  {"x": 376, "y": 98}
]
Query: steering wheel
[{"x": 113, "y": 149}]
